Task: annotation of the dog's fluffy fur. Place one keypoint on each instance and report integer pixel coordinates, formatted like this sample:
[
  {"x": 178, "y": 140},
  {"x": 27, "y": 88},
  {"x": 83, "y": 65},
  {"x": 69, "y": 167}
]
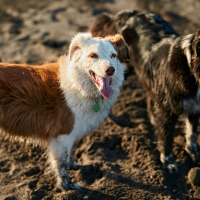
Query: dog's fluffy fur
[
  {"x": 168, "y": 66},
  {"x": 54, "y": 102}
]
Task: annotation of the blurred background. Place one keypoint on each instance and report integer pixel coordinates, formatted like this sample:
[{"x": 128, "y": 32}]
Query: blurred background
[
  {"x": 118, "y": 162},
  {"x": 34, "y": 31}
]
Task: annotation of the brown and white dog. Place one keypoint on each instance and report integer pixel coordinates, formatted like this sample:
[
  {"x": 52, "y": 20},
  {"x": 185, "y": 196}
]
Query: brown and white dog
[
  {"x": 168, "y": 67},
  {"x": 55, "y": 102}
]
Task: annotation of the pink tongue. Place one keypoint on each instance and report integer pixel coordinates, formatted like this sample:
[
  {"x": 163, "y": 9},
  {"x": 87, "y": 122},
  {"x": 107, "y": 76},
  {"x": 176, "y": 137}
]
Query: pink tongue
[{"x": 105, "y": 88}]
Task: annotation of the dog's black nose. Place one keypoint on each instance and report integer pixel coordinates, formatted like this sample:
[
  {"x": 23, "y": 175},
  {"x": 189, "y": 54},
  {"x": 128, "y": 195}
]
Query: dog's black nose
[{"x": 110, "y": 71}]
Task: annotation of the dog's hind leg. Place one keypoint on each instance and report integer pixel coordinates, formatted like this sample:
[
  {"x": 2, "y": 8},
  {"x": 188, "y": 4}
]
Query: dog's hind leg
[
  {"x": 60, "y": 150},
  {"x": 191, "y": 146},
  {"x": 165, "y": 124}
]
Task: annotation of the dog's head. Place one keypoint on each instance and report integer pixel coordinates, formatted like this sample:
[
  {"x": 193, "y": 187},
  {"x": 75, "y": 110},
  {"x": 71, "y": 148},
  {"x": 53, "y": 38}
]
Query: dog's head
[
  {"x": 191, "y": 47},
  {"x": 184, "y": 62},
  {"x": 97, "y": 64},
  {"x": 106, "y": 24}
]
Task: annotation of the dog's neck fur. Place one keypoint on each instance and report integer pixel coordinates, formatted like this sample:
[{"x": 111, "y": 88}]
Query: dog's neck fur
[{"x": 70, "y": 78}]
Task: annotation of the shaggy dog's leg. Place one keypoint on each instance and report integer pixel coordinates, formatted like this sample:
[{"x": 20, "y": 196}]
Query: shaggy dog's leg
[
  {"x": 150, "y": 109},
  {"x": 60, "y": 150},
  {"x": 165, "y": 124},
  {"x": 191, "y": 144},
  {"x": 73, "y": 164}
]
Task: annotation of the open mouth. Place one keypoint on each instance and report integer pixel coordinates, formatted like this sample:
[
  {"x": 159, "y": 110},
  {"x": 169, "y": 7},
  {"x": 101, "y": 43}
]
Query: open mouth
[{"x": 103, "y": 84}]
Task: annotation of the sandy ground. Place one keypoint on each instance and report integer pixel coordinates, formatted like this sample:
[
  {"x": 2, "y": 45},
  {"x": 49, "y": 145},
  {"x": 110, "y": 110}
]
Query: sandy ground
[{"x": 118, "y": 162}]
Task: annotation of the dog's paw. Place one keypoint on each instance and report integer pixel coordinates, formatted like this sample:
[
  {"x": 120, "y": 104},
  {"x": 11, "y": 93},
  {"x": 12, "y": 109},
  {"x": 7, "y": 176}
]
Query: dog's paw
[
  {"x": 71, "y": 186},
  {"x": 171, "y": 167},
  {"x": 168, "y": 163},
  {"x": 75, "y": 166},
  {"x": 194, "y": 153}
]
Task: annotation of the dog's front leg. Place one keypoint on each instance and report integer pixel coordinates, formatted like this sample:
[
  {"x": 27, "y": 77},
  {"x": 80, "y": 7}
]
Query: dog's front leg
[
  {"x": 165, "y": 124},
  {"x": 60, "y": 150},
  {"x": 191, "y": 146},
  {"x": 73, "y": 164}
]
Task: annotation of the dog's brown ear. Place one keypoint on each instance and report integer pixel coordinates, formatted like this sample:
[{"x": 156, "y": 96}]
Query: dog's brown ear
[
  {"x": 78, "y": 40},
  {"x": 121, "y": 47},
  {"x": 127, "y": 33}
]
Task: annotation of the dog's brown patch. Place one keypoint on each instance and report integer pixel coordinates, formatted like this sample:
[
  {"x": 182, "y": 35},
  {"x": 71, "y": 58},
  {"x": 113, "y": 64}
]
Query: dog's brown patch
[
  {"x": 92, "y": 55},
  {"x": 32, "y": 103},
  {"x": 120, "y": 46}
]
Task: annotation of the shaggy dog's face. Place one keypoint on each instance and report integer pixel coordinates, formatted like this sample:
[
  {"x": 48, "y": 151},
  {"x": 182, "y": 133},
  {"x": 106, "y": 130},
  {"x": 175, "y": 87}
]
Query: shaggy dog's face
[{"x": 98, "y": 63}]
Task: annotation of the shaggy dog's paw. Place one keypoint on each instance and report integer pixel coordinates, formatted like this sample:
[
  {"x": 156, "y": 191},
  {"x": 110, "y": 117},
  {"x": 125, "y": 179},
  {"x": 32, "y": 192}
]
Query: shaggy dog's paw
[
  {"x": 171, "y": 167},
  {"x": 169, "y": 164}
]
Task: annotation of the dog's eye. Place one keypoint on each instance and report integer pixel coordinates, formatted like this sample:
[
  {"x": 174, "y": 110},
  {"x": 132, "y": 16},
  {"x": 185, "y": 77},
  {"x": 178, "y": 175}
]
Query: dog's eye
[
  {"x": 113, "y": 55},
  {"x": 93, "y": 55}
]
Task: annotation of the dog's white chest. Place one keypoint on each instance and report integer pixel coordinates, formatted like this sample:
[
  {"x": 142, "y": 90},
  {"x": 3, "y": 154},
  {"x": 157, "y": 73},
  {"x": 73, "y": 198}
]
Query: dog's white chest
[{"x": 86, "y": 119}]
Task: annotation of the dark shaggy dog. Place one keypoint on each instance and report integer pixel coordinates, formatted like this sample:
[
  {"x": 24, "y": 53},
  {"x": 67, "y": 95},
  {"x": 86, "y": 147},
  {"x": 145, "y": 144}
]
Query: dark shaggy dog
[{"x": 168, "y": 66}]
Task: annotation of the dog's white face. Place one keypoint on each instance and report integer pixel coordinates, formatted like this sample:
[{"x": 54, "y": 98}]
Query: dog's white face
[
  {"x": 100, "y": 58},
  {"x": 95, "y": 64}
]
